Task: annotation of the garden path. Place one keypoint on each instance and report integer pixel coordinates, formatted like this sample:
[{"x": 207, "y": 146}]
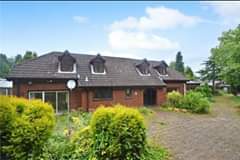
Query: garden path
[{"x": 215, "y": 136}]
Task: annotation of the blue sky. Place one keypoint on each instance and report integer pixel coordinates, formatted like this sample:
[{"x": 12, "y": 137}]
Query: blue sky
[{"x": 152, "y": 30}]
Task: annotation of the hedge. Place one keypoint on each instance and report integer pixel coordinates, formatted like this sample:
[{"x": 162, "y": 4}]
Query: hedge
[
  {"x": 24, "y": 127},
  {"x": 118, "y": 133}
]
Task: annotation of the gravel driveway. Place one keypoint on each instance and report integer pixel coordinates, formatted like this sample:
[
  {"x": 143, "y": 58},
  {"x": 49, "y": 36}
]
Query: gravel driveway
[{"x": 215, "y": 136}]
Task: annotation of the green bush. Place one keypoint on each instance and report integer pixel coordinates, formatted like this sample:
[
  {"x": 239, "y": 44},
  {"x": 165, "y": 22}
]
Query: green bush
[
  {"x": 24, "y": 127},
  {"x": 174, "y": 99},
  {"x": 82, "y": 142},
  {"x": 193, "y": 101},
  {"x": 205, "y": 90},
  {"x": 72, "y": 138},
  {"x": 58, "y": 147},
  {"x": 118, "y": 133},
  {"x": 196, "y": 102}
]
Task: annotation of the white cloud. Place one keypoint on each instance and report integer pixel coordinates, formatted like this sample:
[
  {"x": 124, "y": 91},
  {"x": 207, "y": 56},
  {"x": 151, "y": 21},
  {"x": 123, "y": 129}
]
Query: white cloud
[
  {"x": 80, "y": 19},
  {"x": 126, "y": 40},
  {"x": 228, "y": 10},
  {"x": 113, "y": 53},
  {"x": 157, "y": 18}
]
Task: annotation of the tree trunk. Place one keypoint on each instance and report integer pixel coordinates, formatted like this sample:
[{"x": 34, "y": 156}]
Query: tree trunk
[{"x": 213, "y": 86}]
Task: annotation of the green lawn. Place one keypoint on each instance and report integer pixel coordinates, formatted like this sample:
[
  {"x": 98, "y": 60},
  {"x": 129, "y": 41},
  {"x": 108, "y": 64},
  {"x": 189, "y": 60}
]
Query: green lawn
[{"x": 236, "y": 99}]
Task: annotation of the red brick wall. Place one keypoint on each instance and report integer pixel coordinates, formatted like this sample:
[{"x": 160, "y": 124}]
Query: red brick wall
[
  {"x": 80, "y": 99},
  {"x": 176, "y": 85},
  {"x": 161, "y": 95},
  {"x": 118, "y": 97},
  {"x": 24, "y": 89}
]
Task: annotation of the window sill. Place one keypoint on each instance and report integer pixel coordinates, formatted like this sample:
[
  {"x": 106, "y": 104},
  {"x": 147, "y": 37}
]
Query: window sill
[{"x": 102, "y": 99}]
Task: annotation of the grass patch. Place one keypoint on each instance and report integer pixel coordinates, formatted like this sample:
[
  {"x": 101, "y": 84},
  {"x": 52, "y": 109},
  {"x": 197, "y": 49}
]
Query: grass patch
[
  {"x": 236, "y": 99},
  {"x": 157, "y": 152},
  {"x": 145, "y": 111}
]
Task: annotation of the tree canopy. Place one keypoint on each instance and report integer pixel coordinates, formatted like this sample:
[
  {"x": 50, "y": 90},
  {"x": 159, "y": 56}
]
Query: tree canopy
[
  {"x": 210, "y": 72},
  {"x": 6, "y": 63},
  {"x": 227, "y": 57},
  {"x": 189, "y": 73},
  {"x": 179, "y": 66}
]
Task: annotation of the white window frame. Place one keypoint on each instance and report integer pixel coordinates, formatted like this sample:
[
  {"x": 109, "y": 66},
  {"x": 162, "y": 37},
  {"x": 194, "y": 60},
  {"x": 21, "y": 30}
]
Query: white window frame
[
  {"x": 92, "y": 71},
  {"x": 56, "y": 92},
  {"x": 74, "y": 69},
  {"x": 161, "y": 75},
  {"x": 149, "y": 74}
]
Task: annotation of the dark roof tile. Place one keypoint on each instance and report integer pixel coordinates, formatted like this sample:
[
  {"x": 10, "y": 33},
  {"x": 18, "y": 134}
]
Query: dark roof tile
[{"x": 120, "y": 71}]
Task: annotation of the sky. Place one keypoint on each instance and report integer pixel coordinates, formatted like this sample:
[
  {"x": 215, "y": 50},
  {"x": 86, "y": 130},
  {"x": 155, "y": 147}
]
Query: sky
[{"x": 152, "y": 30}]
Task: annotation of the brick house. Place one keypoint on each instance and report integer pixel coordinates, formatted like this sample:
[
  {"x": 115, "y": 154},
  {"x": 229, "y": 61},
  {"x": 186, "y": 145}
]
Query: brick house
[{"x": 100, "y": 80}]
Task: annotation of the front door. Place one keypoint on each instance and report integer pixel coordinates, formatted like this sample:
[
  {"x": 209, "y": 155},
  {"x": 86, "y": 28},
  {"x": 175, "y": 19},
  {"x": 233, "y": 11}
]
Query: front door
[{"x": 149, "y": 96}]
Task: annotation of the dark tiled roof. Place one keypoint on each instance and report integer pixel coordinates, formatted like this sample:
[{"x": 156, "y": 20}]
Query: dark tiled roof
[{"x": 120, "y": 71}]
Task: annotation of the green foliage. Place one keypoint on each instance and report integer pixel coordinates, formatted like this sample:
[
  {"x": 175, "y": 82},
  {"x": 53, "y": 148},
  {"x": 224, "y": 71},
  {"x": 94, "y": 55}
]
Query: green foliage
[
  {"x": 83, "y": 142},
  {"x": 145, "y": 111},
  {"x": 29, "y": 55},
  {"x": 118, "y": 133},
  {"x": 189, "y": 73},
  {"x": 6, "y": 63},
  {"x": 210, "y": 72},
  {"x": 192, "y": 101},
  {"x": 155, "y": 152},
  {"x": 205, "y": 90},
  {"x": 58, "y": 147},
  {"x": 24, "y": 126},
  {"x": 18, "y": 59},
  {"x": 172, "y": 65},
  {"x": 227, "y": 57},
  {"x": 179, "y": 62},
  {"x": 196, "y": 102},
  {"x": 174, "y": 99},
  {"x": 71, "y": 139}
]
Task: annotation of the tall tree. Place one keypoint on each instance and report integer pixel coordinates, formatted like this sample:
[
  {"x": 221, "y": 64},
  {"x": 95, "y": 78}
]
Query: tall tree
[
  {"x": 29, "y": 55},
  {"x": 210, "y": 72},
  {"x": 179, "y": 62},
  {"x": 18, "y": 59},
  {"x": 5, "y": 65},
  {"x": 189, "y": 73},
  {"x": 227, "y": 57}
]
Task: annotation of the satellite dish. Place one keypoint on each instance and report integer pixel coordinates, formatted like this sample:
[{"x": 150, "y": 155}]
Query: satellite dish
[{"x": 71, "y": 84}]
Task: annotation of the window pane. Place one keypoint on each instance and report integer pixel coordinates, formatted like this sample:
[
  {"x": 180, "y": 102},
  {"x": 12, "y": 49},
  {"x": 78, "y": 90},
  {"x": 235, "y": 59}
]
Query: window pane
[
  {"x": 35, "y": 95},
  {"x": 62, "y": 102},
  {"x": 98, "y": 67},
  {"x": 50, "y": 97},
  {"x": 128, "y": 92},
  {"x": 103, "y": 93}
]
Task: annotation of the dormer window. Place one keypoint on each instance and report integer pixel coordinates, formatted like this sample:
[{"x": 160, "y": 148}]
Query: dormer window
[
  {"x": 161, "y": 68},
  {"x": 97, "y": 65},
  {"x": 143, "y": 68},
  {"x": 67, "y": 63}
]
